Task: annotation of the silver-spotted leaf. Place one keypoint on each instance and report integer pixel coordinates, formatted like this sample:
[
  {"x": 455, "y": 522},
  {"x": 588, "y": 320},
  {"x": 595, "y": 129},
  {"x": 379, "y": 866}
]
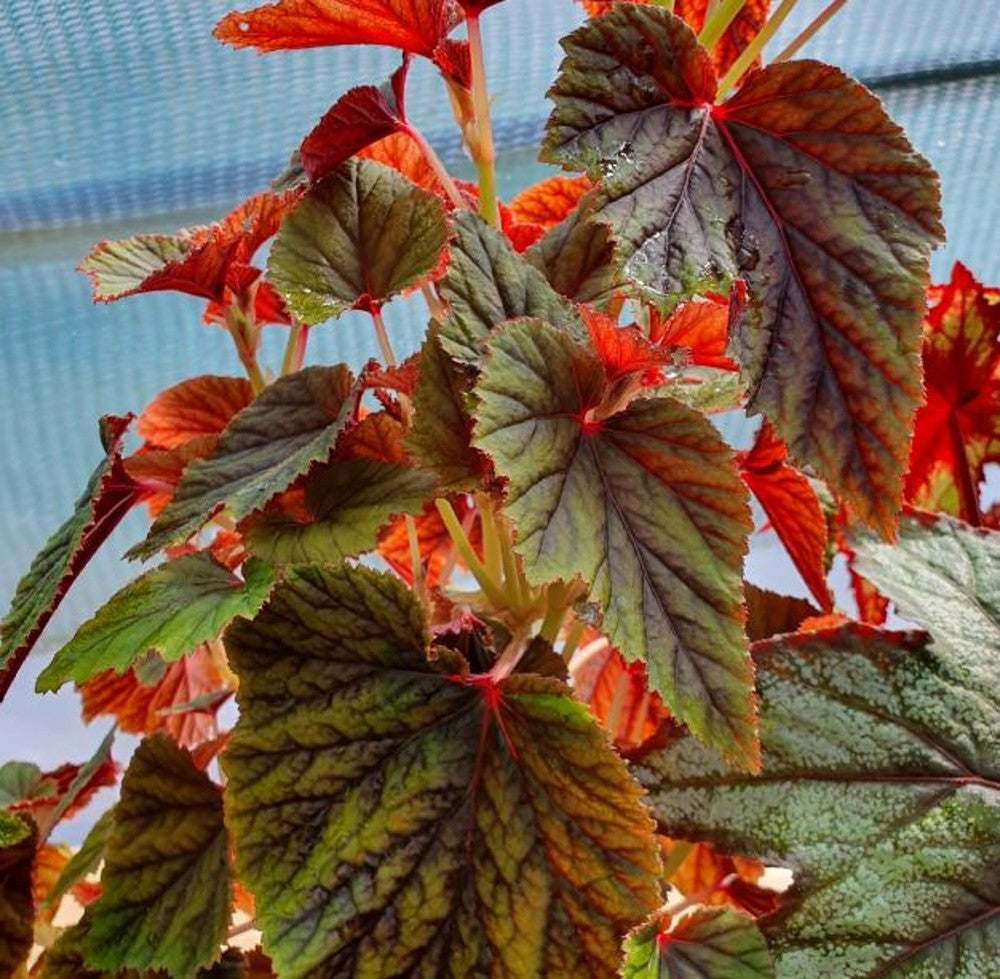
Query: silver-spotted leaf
[
  {"x": 645, "y": 506},
  {"x": 171, "y": 610},
  {"x": 801, "y": 185},
  {"x": 394, "y": 817},
  {"x": 289, "y": 427},
  {"x": 167, "y": 883},
  {"x": 357, "y": 238},
  {"x": 709, "y": 943},
  {"x": 488, "y": 283},
  {"x": 880, "y": 790},
  {"x": 945, "y": 576}
]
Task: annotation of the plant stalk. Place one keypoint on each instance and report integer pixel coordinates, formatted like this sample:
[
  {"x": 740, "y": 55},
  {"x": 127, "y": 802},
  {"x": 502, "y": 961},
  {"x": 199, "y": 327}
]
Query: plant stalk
[
  {"x": 440, "y": 171},
  {"x": 753, "y": 49},
  {"x": 483, "y": 153},
  {"x": 382, "y": 336},
  {"x": 490, "y": 587},
  {"x": 790, "y": 50},
  {"x": 295, "y": 348},
  {"x": 716, "y": 23}
]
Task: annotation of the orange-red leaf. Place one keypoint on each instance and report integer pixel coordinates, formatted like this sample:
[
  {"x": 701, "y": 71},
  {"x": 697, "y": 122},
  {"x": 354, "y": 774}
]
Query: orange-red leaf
[
  {"x": 699, "y": 328},
  {"x": 143, "y": 709},
  {"x": 194, "y": 408},
  {"x": 401, "y": 152},
  {"x": 360, "y": 117},
  {"x": 50, "y": 791},
  {"x": 201, "y": 262},
  {"x": 712, "y": 878},
  {"x": 619, "y": 697},
  {"x": 158, "y": 471},
  {"x": 417, "y": 26},
  {"x": 624, "y": 351},
  {"x": 550, "y": 201},
  {"x": 957, "y": 430},
  {"x": 792, "y": 507}
]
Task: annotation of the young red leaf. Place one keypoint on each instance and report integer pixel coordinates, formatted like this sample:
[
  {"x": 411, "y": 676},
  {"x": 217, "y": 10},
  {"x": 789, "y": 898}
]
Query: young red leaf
[
  {"x": 159, "y": 471},
  {"x": 66, "y": 791},
  {"x": 550, "y": 201},
  {"x": 957, "y": 431},
  {"x": 360, "y": 117},
  {"x": 110, "y": 494},
  {"x": 499, "y": 833},
  {"x": 792, "y": 508},
  {"x": 618, "y": 695},
  {"x": 356, "y": 239},
  {"x": 699, "y": 329},
  {"x": 417, "y": 26},
  {"x": 624, "y": 351},
  {"x": 141, "y": 709},
  {"x": 202, "y": 262},
  {"x": 17, "y": 853},
  {"x": 644, "y": 505},
  {"x": 401, "y": 152},
  {"x": 709, "y": 943},
  {"x": 196, "y": 407},
  {"x": 289, "y": 427},
  {"x": 801, "y": 185}
]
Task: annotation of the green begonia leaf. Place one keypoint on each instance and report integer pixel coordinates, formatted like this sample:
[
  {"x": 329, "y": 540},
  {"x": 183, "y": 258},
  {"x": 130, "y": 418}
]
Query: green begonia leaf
[
  {"x": 84, "y": 861},
  {"x": 488, "y": 283},
  {"x": 351, "y": 500},
  {"x": 109, "y": 495},
  {"x": 167, "y": 884},
  {"x": 945, "y": 576},
  {"x": 171, "y": 609},
  {"x": 440, "y": 435},
  {"x": 397, "y": 817},
  {"x": 19, "y": 780},
  {"x": 17, "y": 914},
  {"x": 710, "y": 943},
  {"x": 645, "y": 506},
  {"x": 289, "y": 427},
  {"x": 880, "y": 790},
  {"x": 799, "y": 184},
  {"x": 578, "y": 259},
  {"x": 356, "y": 239}
]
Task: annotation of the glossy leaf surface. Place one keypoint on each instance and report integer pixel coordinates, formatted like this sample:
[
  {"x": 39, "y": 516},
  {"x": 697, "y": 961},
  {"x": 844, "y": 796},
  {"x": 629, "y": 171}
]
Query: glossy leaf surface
[
  {"x": 166, "y": 882},
  {"x": 799, "y": 184},
  {"x": 403, "y": 819},
  {"x": 645, "y": 506},
  {"x": 170, "y": 610},
  {"x": 879, "y": 790},
  {"x": 289, "y": 427},
  {"x": 355, "y": 240}
]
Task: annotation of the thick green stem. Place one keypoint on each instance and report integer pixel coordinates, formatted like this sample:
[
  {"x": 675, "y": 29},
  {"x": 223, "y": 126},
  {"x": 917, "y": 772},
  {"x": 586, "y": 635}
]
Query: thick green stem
[
  {"x": 492, "y": 545},
  {"x": 717, "y": 22},
  {"x": 754, "y": 48},
  {"x": 483, "y": 153},
  {"x": 573, "y": 636},
  {"x": 490, "y": 588},
  {"x": 416, "y": 562},
  {"x": 793, "y": 48},
  {"x": 440, "y": 171},
  {"x": 559, "y": 599},
  {"x": 244, "y": 334},
  {"x": 295, "y": 348}
]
